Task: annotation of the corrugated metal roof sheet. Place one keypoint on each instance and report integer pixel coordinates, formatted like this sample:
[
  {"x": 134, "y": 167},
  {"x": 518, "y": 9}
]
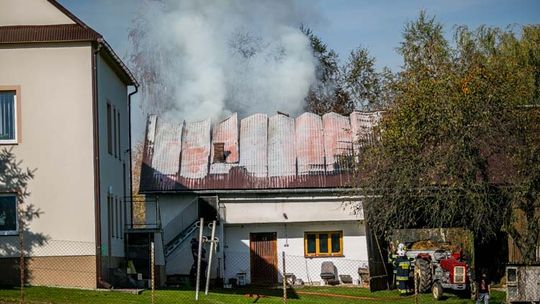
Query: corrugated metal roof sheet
[
  {"x": 337, "y": 139},
  {"x": 281, "y": 146},
  {"x": 253, "y": 144},
  {"x": 362, "y": 127},
  {"x": 279, "y": 152},
  {"x": 225, "y": 132},
  {"x": 309, "y": 144},
  {"x": 196, "y": 149},
  {"x": 150, "y": 136},
  {"x": 167, "y": 147}
]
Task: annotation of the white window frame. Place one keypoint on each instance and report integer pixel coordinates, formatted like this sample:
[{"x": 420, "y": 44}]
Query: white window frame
[
  {"x": 15, "y": 121},
  {"x": 16, "y": 231}
]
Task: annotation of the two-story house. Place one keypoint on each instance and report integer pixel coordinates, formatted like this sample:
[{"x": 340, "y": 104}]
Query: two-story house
[{"x": 64, "y": 111}]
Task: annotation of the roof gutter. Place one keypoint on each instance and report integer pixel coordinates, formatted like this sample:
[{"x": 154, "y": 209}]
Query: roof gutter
[
  {"x": 257, "y": 191},
  {"x": 119, "y": 61},
  {"x": 309, "y": 199}
]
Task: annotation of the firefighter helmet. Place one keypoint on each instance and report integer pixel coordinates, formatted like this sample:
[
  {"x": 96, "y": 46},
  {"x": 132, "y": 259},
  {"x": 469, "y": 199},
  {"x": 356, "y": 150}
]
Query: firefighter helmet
[{"x": 401, "y": 249}]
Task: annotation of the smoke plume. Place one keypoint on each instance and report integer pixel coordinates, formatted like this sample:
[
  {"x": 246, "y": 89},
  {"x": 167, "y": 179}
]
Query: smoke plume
[{"x": 199, "y": 59}]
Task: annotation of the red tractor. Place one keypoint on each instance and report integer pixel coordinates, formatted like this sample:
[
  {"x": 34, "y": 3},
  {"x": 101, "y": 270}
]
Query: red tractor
[
  {"x": 439, "y": 270},
  {"x": 440, "y": 264}
]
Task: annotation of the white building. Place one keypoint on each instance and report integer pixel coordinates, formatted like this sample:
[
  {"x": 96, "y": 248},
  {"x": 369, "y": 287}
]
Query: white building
[
  {"x": 64, "y": 110},
  {"x": 276, "y": 185}
]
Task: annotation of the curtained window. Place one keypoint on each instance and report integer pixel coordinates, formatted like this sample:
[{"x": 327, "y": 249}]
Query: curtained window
[{"x": 8, "y": 119}]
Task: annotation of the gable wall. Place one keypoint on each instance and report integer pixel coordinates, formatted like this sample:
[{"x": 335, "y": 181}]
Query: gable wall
[{"x": 31, "y": 12}]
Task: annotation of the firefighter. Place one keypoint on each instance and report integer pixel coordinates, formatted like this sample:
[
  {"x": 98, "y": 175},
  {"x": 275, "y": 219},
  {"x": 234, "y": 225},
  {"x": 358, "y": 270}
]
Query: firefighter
[
  {"x": 403, "y": 266},
  {"x": 204, "y": 263}
]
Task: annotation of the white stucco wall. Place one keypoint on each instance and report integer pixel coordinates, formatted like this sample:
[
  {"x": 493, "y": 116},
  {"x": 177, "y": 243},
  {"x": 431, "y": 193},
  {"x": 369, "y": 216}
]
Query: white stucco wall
[
  {"x": 30, "y": 12},
  {"x": 284, "y": 210},
  {"x": 113, "y": 91},
  {"x": 290, "y": 239},
  {"x": 172, "y": 205},
  {"x": 174, "y": 214},
  {"x": 55, "y": 139}
]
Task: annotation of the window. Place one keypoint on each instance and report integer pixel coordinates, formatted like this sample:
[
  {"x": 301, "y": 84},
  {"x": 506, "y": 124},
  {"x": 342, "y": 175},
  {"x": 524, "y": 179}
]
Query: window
[
  {"x": 115, "y": 132},
  {"x": 122, "y": 212},
  {"x": 110, "y": 215},
  {"x": 8, "y": 214},
  {"x": 8, "y": 117},
  {"x": 118, "y": 135},
  {"x": 326, "y": 243},
  {"x": 118, "y": 224},
  {"x": 219, "y": 153},
  {"x": 109, "y": 129}
]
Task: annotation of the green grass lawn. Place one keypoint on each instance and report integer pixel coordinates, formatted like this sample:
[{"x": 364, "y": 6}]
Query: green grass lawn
[{"x": 301, "y": 295}]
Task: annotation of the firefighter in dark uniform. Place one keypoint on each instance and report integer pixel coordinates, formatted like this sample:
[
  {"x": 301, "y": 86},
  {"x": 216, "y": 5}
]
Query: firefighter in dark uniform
[
  {"x": 204, "y": 263},
  {"x": 402, "y": 266}
]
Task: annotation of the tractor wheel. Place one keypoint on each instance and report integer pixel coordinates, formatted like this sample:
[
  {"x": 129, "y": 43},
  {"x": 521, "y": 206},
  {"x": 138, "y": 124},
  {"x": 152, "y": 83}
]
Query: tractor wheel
[
  {"x": 422, "y": 275},
  {"x": 437, "y": 291}
]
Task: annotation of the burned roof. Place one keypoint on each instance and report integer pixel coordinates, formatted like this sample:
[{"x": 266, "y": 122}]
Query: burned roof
[{"x": 256, "y": 152}]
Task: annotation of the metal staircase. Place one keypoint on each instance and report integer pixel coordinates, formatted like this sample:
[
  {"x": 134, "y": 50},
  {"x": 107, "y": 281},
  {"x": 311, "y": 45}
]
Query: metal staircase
[
  {"x": 186, "y": 222},
  {"x": 180, "y": 238}
]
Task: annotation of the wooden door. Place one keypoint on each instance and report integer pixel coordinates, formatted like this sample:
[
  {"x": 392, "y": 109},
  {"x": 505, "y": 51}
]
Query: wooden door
[
  {"x": 378, "y": 268},
  {"x": 263, "y": 258}
]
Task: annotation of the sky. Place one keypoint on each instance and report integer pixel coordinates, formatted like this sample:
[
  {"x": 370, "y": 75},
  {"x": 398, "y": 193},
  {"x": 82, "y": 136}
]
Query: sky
[
  {"x": 342, "y": 24},
  {"x": 378, "y": 25}
]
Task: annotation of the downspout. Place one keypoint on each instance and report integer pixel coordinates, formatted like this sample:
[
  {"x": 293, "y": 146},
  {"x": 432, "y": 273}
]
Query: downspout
[
  {"x": 130, "y": 154},
  {"x": 97, "y": 183}
]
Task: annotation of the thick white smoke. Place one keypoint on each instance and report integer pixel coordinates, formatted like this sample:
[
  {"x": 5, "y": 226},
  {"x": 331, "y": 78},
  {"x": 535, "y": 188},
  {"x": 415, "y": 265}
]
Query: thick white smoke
[{"x": 200, "y": 59}]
